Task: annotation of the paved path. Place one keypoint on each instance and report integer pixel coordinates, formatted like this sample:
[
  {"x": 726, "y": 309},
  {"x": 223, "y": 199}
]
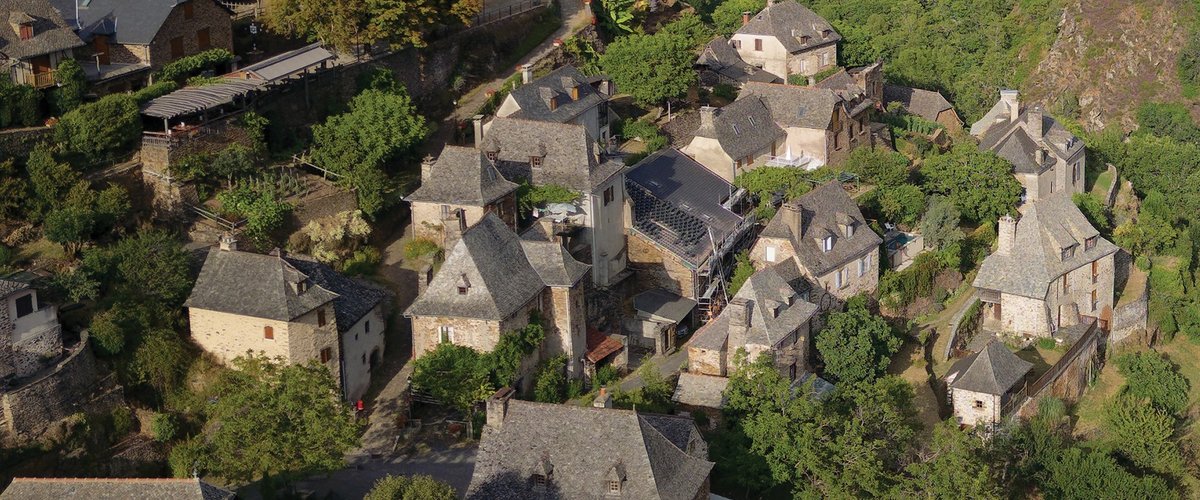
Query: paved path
[{"x": 453, "y": 466}]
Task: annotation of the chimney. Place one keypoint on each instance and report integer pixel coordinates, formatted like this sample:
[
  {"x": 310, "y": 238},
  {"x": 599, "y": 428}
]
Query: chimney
[
  {"x": 745, "y": 17},
  {"x": 791, "y": 214},
  {"x": 1012, "y": 98},
  {"x": 227, "y": 242},
  {"x": 1034, "y": 123},
  {"x": 739, "y": 322},
  {"x": 603, "y": 400},
  {"x": 1006, "y": 235},
  {"x": 706, "y": 116},
  {"x": 526, "y": 74},
  {"x": 497, "y": 407},
  {"x": 427, "y": 168},
  {"x": 477, "y": 120},
  {"x": 1039, "y": 156}
]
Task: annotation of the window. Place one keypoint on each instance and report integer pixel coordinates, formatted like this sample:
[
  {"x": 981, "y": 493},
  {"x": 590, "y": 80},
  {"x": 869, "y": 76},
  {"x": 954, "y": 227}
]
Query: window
[
  {"x": 608, "y": 195},
  {"x": 1075, "y": 173},
  {"x": 863, "y": 264},
  {"x": 824, "y": 59},
  {"x": 758, "y": 44},
  {"x": 1089, "y": 244},
  {"x": 539, "y": 481},
  {"x": 492, "y": 155},
  {"x": 535, "y": 161},
  {"x": 462, "y": 290},
  {"x": 1068, "y": 252},
  {"x": 446, "y": 334},
  {"x": 849, "y": 230},
  {"x": 737, "y": 44},
  {"x": 25, "y": 305},
  {"x": 839, "y": 280},
  {"x": 804, "y": 39},
  {"x": 26, "y": 31},
  {"x": 188, "y": 11},
  {"x": 203, "y": 40},
  {"x": 1066, "y": 285},
  {"x": 770, "y": 254},
  {"x": 614, "y": 486},
  {"x": 803, "y": 66},
  {"x": 268, "y": 333},
  {"x": 1095, "y": 271},
  {"x": 326, "y": 354},
  {"x": 1095, "y": 301},
  {"x": 978, "y": 403},
  {"x": 177, "y": 47},
  {"x": 827, "y": 243},
  {"x": 367, "y": 326},
  {"x": 320, "y": 317}
]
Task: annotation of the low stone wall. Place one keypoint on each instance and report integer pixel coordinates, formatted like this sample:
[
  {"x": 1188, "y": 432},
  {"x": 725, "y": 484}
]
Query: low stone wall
[
  {"x": 1111, "y": 196},
  {"x": 18, "y": 142},
  {"x": 961, "y": 327},
  {"x": 31, "y": 354},
  {"x": 32, "y": 408},
  {"x": 1070, "y": 376}
]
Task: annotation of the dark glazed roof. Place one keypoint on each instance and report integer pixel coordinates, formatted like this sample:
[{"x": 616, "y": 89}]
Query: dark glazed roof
[
  {"x": 50, "y": 32},
  {"x": 289, "y": 63},
  {"x": 663, "y": 304},
  {"x": 788, "y": 21},
  {"x": 255, "y": 285},
  {"x": 793, "y": 105},
  {"x": 823, "y": 210},
  {"x": 462, "y": 176},
  {"x": 23, "y": 488},
  {"x": 582, "y": 448},
  {"x": 994, "y": 370},
  {"x": 927, "y": 104},
  {"x": 534, "y": 97},
  {"x": 743, "y": 128}
]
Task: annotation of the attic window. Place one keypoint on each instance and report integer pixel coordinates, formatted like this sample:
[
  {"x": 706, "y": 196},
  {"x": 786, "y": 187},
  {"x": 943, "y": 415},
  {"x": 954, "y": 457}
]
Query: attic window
[
  {"x": 736, "y": 130},
  {"x": 751, "y": 118},
  {"x": 827, "y": 244},
  {"x": 804, "y": 39},
  {"x": 26, "y": 31},
  {"x": 575, "y": 93},
  {"x": 849, "y": 229},
  {"x": 553, "y": 104},
  {"x": 492, "y": 155},
  {"x": 535, "y": 161},
  {"x": 1068, "y": 252},
  {"x": 826, "y": 33},
  {"x": 302, "y": 286},
  {"x": 463, "y": 285},
  {"x": 1089, "y": 243},
  {"x": 539, "y": 482}
]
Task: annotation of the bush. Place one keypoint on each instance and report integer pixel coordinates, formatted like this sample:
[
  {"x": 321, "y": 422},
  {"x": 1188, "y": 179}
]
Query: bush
[
  {"x": 122, "y": 420},
  {"x": 363, "y": 262},
  {"x": 164, "y": 426},
  {"x": 189, "y": 458},
  {"x": 420, "y": 247},
  {"x": 156, "y": 90},
  {"x": 1150, "y": 376},
  {"x": 741, "y": 272},
  {"x": 71, "y": 85},
  {"x": 1047, "y": 344},
  {"x": 107, "y": 334},
  {"x": 410, "y": 488},
  {"x": 263, "y": 208},
  {"x": 530, "y": 196},
  {"x": 605, "y": 375},
  {"x": 550, "y": 385},
  {"x": 725, "y": 91},
  {"x": 105, "y": 127},
  {"x": 1143, "y": 262},
  {"x": 20, "y": 105},
  {"x": 180, "y": 69}
]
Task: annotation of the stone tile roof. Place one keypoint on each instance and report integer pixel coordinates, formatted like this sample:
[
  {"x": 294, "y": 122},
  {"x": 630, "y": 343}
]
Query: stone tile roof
[
  {"x": 133, "y": 22},
  {"x": 788, "y": 21},
  {"x": 1046, "y": 227},
  {"x": 23, "y": 488},
  {"x": 721, "y": 57},
  {"x": 927, "y": 104},
  {"x": 462, "y": 176},
  {"x": 996, "y": 129},
  {"x": 9, "y": 287},
  {"x": 663, "y": 304},
  {"x": 355, "y": 298},
  {"x": 742, "y": 128},
  {"x": 256, "y": 285},
  {"x": 994, "y": 370},
  {"x": 824, "y": 211},
  {"x": 534, "y": 98},
  {"x": 700, "y": 390},
  {"x": 580, "y": 448},
  {"x": 795, "y": 106},
  {"x": 51, "y": 33},
  {"x": 499, "y": 271},
  {"x": 777, "y": 308},
  {"x": 568, "y": 155},
  {"x": 677, "y": 202}
]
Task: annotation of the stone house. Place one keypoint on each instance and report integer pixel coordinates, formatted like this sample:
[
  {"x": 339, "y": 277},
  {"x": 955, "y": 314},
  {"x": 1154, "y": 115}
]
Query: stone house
[
  {"x": 563, "y": 96},
  {"x": 1051, "y": 269},
  {"x": 456, "y": 191},
  {"x": 128, "y": 39},
  {"x": 771, "y": 313},
  {"x": 980, "y": 385},
  {"x": 786, "y": 39},
  {"x": 686, "y": 224},
  {"x": 1046, "y": 158},
  {"x": 551, "y": 451},
  {"x": 719, "y": 63},
  {"x": 928, "y": 104},
  {"x": 736, "y": 138},
  {"x": 37, "y": 488},
  {"x": 825, "y": 232},
  {"x": 33, "y": 41},
  {"x": 289, "y": 307},
  {"x": 490, "y": 283},
  {"x": 30, "y": 334},
  {"x": 821, "y": 125},
  {"x": 546, "y": 153}
]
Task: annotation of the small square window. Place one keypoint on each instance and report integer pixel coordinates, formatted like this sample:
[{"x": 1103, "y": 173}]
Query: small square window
[
  {"x": 326, "y": 354},
  {"x": 978, "y": 403},
  {"x": 462, "y": 290},
  {"x": 609, "y": 196},
  {"x": 268, "y": 333},
  {"x": 1089, "y": 243},
  {"x": 535, "y": 161},
  {"x": 614, "y": 486}
]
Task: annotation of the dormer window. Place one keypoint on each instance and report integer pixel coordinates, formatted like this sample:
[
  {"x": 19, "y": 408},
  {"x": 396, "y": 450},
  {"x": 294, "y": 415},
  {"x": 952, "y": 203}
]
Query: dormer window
[
  {"x": 826, "y": 33},
  {"x": 804, "y": 40},
  {"x": 614, "y": 487},
  {"x": 302, "y": 286},
  {"x": 463, "y": 284},
  {"x": 1089, "y": 243},
  {"x": 539, "y": 481},
  {"x": 492, "y": 155},
  {"x": 26, "y": 31},
  {"x": 827, "y": 244},
  {"x": 849, "y": 230},
  {"x": 1068, "y": 252},
  {"x": 614, "y": 479},
  {"x": 736, "y": 130},
  {"x": 535, "y": 161}
]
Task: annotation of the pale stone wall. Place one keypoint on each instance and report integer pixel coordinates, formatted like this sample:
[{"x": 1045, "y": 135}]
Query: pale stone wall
[
  {"x": 706, "y": 361},
  {"x": 476, "y": 333},
  {"x": 228, "y": 336},
  {"x": 853, "y": 284},
  {"x": 34, "y": 353},
  {"x": 753, "y": 351},
  {"x": 975, "y": 408},
  {"x": 658, "y": 268},
  {"x": 783, "y": 251},
  {"x": 773, "y": 58},
  {"x": 1079, "y": 291},
  {"x": 427, "y": 219},
  {"x": 707, "y": 151},
  {"x": 1023, "y": 315},
  {"x": 808, "y": 62},
  {"x": 811, "y": 142},
  {"x": 607, "y": 221},
  {"x": 567, "y": 333},
  {"x": 306, "y": 340},
  {"x": 6, "y": 336},
  {"x": 358, "y": 345}
]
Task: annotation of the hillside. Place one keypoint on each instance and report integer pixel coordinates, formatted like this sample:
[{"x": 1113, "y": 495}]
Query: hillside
[{"x": 1110, "y": 56}]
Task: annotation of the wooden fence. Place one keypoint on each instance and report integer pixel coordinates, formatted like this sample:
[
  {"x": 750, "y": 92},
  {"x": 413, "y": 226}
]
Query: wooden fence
[{"x": 1089, "y": 344}]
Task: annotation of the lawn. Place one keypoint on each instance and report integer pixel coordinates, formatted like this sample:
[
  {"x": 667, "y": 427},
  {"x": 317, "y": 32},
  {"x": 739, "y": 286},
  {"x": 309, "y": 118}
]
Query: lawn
[{"x": 1103, "y": 182}]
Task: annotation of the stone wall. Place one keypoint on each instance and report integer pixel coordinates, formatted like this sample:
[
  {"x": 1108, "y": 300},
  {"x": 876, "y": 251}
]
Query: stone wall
[
  {"x": 32, "y": 354},
  {"x": 206, "y": 14},
  {"x": 706, "y": 361},
  {"x": 18, "y": 142},
  {"x": 658, "y": 268},
  {"x": 228, "y": 336},
  {"x": 854, "y": 284},
  {"x": 30, "y": 409},
  {"x": 975, "y": 408},
  {"x": 307, "y": 337}
]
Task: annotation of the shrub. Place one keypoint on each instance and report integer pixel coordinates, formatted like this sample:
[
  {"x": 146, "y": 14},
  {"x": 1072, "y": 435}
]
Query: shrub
[
  {"x": 725, "y": 91},
  {"x": 1148, "y": 375},
  {"x": 95, "y": 130},
  {"x": 410, "y": 488},
  {"x": 420, "y": 247},
  {"x": 530, "y": 196},
  {"x": 363, "y": 262},
  {"x": 741, "y": 272},
  {"x": 263, "y": 208},
  {"x": 188, "y": 458},
  {"x": 122, "y": 420},
  {"x": 550, "y": 385},
  {"x": 107, "y": 334},
  {"x": 605, "y": 375},
  {"x": 164, "y": 426},
  {"x": 20, "y": 105},
  {"x": 182, "y": 68},
  {"x": 156, "y": 90},
  {"x": 71, "y": 85},
  {"x": 1047, "y": 344}
]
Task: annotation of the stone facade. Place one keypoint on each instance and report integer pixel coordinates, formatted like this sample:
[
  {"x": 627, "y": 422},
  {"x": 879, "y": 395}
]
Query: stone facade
[
  {"x": 859, "y": 275},
  {"x": 566, "y": 316},
  {"x": 708, "y": 152},
  {"x": 28, "y": 343},
  {"x": 430, "y": 220},
  {"x": 975, "y": 408},
  {"x": 228, "y": 336},
  {"x": 770, "y": 55},
  {"x": 205, "y": 15},
  {"x": 659, "y": 268},
  {"x": 1030, "y": 316},
  {"x": 606, "y": 229},
  {"x": 707, "y": 361}
]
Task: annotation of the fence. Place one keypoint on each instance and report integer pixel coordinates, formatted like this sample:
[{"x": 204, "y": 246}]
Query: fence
[
  {"x": 962, "y": 324},
  {"x": 1089, "y": 343},
  {"x": 491, "y": 15}
]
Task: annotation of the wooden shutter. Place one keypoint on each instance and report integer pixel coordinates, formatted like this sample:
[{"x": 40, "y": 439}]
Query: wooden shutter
[
  {"x": 177, "y": 47},
  {"x": 320, "y": 317},
  {"x": 203, "y": 40},
  {"x": 268, "y": 333}
]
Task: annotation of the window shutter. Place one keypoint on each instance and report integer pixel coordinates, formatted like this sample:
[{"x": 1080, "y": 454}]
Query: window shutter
[{"x": 268, "y": 333}]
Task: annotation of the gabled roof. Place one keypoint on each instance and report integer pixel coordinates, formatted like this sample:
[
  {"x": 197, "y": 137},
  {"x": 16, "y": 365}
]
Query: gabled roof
[
  {"x": 462, "y": 176},
  {"x": 256, "y": 285},
  {"x": 824, "y": 211},
  {"x": 355, "y": 298},
  {"x": 677, "y": 202},
  {"x": 581, "y": 447},
  {"x": 927, "y": 104},
  {"x": 24, "y": 488},
  {"x": 793, "y": 105},
  {"x": 788, "y": 21},
  {"x": 994, "y": 370},
  {"x": 1045, "y": 228},
  {"x": 742, "y": 128},
  {"x": 1018, "y": 142},
  {"x": 534, "y": 98},
  {"x": 777, "y": 308},
  {"x": 705, "y": 391},
  {"x": 133, "y": 22},
  {"x": 50, "y": 32},
  {"x": 500, "y": 272},
  {"x": 568, "y": 155},
  {"x": 721, "y": 57}
]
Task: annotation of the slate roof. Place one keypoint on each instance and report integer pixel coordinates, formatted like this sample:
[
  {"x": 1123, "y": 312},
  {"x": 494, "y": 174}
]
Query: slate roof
[
  {"x": 582, "y": 447},
  {"x": 462, "y": 176},
  {"x": 663, "y": 304},
  {"x": 823, "y": 210},
  {"x": 501, "y": 272},
  {"x": 927, "y": 104},
  {"x": 721, "y": 57},
  {"x": 569, "y": 156},
  {"x": 677, "y": 201},
  {"x": 9, "y": 287},
  {"x": 23, "y": 488},
  {"x": 355, "y": 298},
  {"x": 1018, "y": 143},
  {"x": 788, "y": 21},
  {"x": 994, "y": 370},
  {"x": 776, "y": 310},
  {"x": 534, "y": 98},
  {"x": 1045, "y": 228},
  {"x": 698, "y": 390},
  {"x": 742, "y": 128},
  {"x": 289, "y": 63},
  {"x": 51, "y": 33},
  {"x": 793, "y": 105},
  {"x": 132, "y": 22},
  {"x": 255, "y": 285}
]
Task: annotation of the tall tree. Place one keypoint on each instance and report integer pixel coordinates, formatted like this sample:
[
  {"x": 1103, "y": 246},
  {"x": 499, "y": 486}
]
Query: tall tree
[
  {"x": 339, "y": 24},
  {"x": 857, "y": 345},
  {"x": 410, "y": 488},
  {"x": 454, "y": 374},
  {"x": 979, "y": 182},
  {"x": 669, "y": 76},
  {"x": 953, "y": 467},
  {"x": 940, "y": 225}
]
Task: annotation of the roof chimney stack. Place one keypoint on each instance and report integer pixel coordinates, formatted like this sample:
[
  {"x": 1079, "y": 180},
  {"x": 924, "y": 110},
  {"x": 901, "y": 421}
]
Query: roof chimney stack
[
  {"x": 603, "y": 400},
  {"x": 227, "y": 242},
  {"x": 1006, "y": 235},
  {"x": 738, "y": 311},
  {"x": 1034, "y": 123},
  {"x": 497, "y": 407},
  {"x": 706, "y": 117},
  {"x": 791, "y": 214},
  {"x": 526, "y": 74},
  {"x": 745, "y": 17},
  {"x": 477, "y": 121},
  {"x": 427, "y": 168},
  {"x": 1013, "y": 100}
]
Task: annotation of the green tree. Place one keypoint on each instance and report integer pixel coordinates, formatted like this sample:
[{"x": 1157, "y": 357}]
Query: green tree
[
  {"x": 979, "y": 182},
  {"x": 767, "y": 183},
  {"x": 1150, "y": 376},
  {"x": 149, "y": 267},
  {"x": 955, "y": 468},
  {"x": 690, "y": 27},
  {"x": 940, "y": 225},
  {"x": 14, "y": 192},
  {"x": 160, "y": 359},
  {"x": 107, "y": 333},
  {"x": 340, "y": 24},
  {"x": 112, "y": 207},
  {"x": 72, "y": 84},
  {"x": 263, "y": 208},
  {"x": 670, "y": 76},
  {"x": 550, "y": 385},
  {"x": 1167, "y": 120},
  {"x": 1143, "y": 434},
  {"x": 50, "y": 179},
  {"x": 742, "y": 272},
  {"x": 1076, "y": 473},
  {"x": 856, "y": 345},
  {"x": 404, "y": 22},
  {"x": 96, "y": 130},
  {"x": 165, "y": 427},
  {"x": 727, "y": 17},
  {"x": 878, "y": 166},
  {"x": 379, "y": 127},
  {"x": 410, "y": 488},
  {"x": 1095, "y": 211},
  {"x": 903, "y": 203},
  {"x": 310, "y": 429},
  {"x": 70, "y": 226},
  {"x": 455, "y": 375}
]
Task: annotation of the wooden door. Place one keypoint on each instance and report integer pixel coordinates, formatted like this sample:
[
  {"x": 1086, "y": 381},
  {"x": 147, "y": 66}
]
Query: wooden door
[
  {"x": 100, "y": 47},
  {"x": 41, "y": 64}
]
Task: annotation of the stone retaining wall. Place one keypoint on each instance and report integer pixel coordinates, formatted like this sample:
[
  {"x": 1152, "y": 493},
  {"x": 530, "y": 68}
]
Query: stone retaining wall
[
  {"x": 32, "y": 408},
  {"x": 18, "y": 142}
]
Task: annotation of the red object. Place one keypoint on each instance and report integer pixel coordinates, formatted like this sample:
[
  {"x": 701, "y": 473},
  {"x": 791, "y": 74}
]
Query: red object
[{"x": 359, "y": 405}]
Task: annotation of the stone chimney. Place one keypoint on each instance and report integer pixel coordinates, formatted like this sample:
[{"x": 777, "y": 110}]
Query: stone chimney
[
  {"x": 427, "y": 168},
  {"x": 603, "y": 400},
  {"x": 1033, "y": 122},
  {"x": 497, "y": 407},
  {"x": 738, "y": 311},
  {"x": 792, "y": 219},
  {"x": 227, "y": 242},
  {"x": 1006, "y": 235},
  {"x": 526, "y": 74},
  {"x": 1039, "y": 156},
  {"x": 477, "y": 121},
  {"x": 707, "y": 114},
  {"x": 1012, "y": 98},
  {"x": 745, "y": 17}
]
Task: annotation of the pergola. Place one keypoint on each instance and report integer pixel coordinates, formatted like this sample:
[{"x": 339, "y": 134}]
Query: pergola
[{"x": 190, "y": 101}]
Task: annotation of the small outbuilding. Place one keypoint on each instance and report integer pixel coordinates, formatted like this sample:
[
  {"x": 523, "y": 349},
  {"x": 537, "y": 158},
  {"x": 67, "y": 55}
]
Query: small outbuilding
[{"x": 982, "y": 384}]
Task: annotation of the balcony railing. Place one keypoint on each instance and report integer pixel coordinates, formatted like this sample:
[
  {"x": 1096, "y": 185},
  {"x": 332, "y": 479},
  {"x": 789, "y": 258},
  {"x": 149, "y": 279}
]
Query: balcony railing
[
  {"x": 43, "y": 80},
  {"x": 31, "y": 324}
]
